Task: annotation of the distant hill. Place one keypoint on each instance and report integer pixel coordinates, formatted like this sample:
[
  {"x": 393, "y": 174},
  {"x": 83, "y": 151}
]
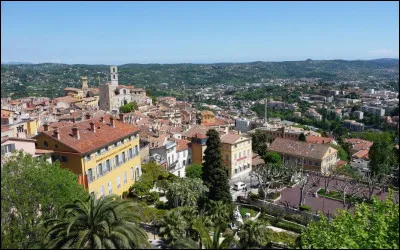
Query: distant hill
[
  {"x": 50, "y": 78},
  {"x": 13, "y": 63}
]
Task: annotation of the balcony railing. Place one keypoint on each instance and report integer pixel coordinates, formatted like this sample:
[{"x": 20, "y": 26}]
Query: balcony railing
[{"x": 172, "y": 166}]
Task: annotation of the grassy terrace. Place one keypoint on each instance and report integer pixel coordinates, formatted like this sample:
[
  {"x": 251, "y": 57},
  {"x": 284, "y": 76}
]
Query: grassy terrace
[{"x": 336, "y": 195}]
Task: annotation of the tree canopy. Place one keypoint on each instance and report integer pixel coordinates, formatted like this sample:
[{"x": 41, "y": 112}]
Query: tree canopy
[
  {"x": 33, "y": 190},
  {"x": 105, "y": 223},
  {"x": 371, "y": 226},
  {"x": 128, "y": 107},
  {"x": 194, "y": 171}
]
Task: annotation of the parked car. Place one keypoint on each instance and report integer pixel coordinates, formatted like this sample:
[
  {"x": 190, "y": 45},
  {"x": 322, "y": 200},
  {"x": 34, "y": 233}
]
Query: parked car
[{"x": 239, "y": 186}]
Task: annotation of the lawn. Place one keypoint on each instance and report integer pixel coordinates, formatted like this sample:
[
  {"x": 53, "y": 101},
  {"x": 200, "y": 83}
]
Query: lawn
[
  {"x": 243, "y": 210},
  {"x": 338, "y": 196}
]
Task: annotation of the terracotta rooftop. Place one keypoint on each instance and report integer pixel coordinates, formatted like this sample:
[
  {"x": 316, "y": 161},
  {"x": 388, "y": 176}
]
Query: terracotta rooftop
[
  {"x": 67, "y": 99},
  {"x": 90, "y": 141},
  {"x": 182, "y": 145},
  {"x": 207, "y": 112},
  {"x": 359, "y": 144},
  {"x": 299, "y": 148},
  {"x": 318, "y": 139},
  {"x": 231, "y": 138},
  {"x": 362, "y": 154}
]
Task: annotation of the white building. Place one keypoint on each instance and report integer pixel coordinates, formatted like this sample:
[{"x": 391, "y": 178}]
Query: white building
[
  {"x": 359, "y": 115},
  {"x": 243, "y": 125},
  {"x": 373, "y": 110},
  {"x": 113, "y": 96}
]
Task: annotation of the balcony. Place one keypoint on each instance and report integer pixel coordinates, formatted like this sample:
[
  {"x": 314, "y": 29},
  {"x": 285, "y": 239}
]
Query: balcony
[{"x": 172, "y": 166}]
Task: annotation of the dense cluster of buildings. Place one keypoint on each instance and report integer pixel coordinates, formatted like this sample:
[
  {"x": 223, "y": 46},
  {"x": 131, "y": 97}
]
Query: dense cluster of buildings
[{"x": 87, "y": 134}]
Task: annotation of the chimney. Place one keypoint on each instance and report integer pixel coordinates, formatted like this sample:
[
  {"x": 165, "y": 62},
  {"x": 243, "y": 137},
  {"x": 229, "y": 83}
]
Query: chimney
[
  {"x": 46, "y": 126},
  {"x": 102, "y": 119},
  {"x": 112, "y": 122},
  {"x": 75, "y": 132},
  {"x": 87, "y": 116},
  {"x": 92, "y": 127},
  {"x": 121, "y": 117},
  {"x": 56, "y": 133}
]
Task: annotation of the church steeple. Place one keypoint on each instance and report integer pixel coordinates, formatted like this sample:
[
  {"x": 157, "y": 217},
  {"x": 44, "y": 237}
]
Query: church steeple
[
  {"x": 114, "y": 75},
  {"x": 85, "y": 87}
]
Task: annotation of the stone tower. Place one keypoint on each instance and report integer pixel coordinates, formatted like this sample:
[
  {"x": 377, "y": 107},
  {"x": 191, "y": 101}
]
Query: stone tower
[
  {"x": 85, "y": 87},
  {"x": 114, "y": 75}
]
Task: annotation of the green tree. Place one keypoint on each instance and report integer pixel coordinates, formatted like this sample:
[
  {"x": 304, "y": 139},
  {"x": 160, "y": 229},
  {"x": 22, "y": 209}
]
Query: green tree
[
  {"x": 128, "y": 107},
  {"x": 273, "y": 158},
  {"x": 108, "y": 222},
  {"x": 194, "y": 171},
  {"x": 214, "y": 175},
  {"x": 383, "y": 157},
  {"x": 371, "y": 226},
  {"x": 302, "y": 137},
  {"x": 208, "y": 242},
  {"x": 173, "y": 226},
  {"x": 259, "y": 142},
  {"x": 185, "y": 192},
  {"x": 220, "y": 213},
  {"x": 33, "y": 190},
  {"x": 252, "y": 235}
]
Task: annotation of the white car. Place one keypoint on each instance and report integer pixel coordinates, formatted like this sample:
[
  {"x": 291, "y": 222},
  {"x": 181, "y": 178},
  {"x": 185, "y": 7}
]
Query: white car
[{"x": 239, "y": 186}]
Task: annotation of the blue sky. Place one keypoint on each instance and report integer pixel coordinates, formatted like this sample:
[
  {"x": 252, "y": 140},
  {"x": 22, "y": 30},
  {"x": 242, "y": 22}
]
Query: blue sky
[{"x": 197, "y": 32}]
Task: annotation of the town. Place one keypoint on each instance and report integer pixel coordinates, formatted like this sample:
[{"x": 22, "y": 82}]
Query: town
[
  {"x": 199, "y": 125},
  {"x": 105, "y": 135}
]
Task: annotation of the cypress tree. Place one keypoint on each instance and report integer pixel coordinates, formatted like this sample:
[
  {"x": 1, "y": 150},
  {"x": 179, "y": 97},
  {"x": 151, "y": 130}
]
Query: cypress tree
[{"x": 214, "y": 175}]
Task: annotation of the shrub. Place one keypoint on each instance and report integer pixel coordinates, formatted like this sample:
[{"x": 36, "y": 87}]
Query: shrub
[
  {"x": 152, "y": 197},
  {"x": 254, "y": 196},
  {"x": 160, "y": 205},
  {"x": 289, "y": 226},
  {"x": 305, "y": 208},
  {"x": 273, "y": 196}
]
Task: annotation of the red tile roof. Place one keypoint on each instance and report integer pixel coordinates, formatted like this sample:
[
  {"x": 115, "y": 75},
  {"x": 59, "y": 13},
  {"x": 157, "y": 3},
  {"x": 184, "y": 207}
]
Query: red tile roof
[
  {"x": 182, "y": 145},
  {"x": 318, "y": 139},
  {"x": 299, "y": 148},
  {"x": 90, "y": 141}
]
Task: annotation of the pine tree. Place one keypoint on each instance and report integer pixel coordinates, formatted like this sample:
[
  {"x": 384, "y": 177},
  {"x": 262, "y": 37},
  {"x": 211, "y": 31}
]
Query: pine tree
[{"x": 214, "y": 175}]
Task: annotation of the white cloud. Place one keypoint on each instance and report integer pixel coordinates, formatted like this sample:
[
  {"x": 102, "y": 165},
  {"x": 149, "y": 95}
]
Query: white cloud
[{"x": 384, "y": 53}]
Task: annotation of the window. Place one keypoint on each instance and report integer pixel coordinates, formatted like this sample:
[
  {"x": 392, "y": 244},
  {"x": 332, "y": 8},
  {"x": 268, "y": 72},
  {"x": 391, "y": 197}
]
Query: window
[
  {"x": 123, "y": 157},
  {"x": 90, "y": 175},
  {"x": 116, "y": 163},
  {"x": 56, "y": 146},
  {"x": 118, "y": 182},
  {"x": 9, "y": 148},
  {"x": 248, "y": 152},
  {"x": 132, "y": 174},
  {"x": 184, "y": 162},
  {"x": 104, "y": 169},
  {"x": 46, "y": 144},
  {"x": 227, "y": 157},
  {"x": 102, "y": 191},
  {"x": 119, "y": 159},
  {"x": 125, "y": 179},
  {"x": 179, "y": 173},
  {"x": 130, "y": 153},
  {"x": 109, "y": 187},
  {"x": 99, "y": 171},
  {"x": 137, "y": 149},
  {"x": 64, "y": 159},
  {"x": 108, "y": 165},
  {"x": 235, "y": 156}
]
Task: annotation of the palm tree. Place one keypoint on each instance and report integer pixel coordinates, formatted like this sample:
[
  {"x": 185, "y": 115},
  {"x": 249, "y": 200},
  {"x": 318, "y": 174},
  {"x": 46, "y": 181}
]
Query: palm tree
[
  {"x": 212, "y": 243},
  {"x": 252, "y": 234},
  {"x": 173, "y": 226},
  {"x": 219, "y": 212},
  {"x": 108, "y": 222}
]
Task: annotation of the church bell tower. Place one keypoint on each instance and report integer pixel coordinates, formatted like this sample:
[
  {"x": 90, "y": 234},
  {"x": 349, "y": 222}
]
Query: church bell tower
[{"x": 114, "y": 75}]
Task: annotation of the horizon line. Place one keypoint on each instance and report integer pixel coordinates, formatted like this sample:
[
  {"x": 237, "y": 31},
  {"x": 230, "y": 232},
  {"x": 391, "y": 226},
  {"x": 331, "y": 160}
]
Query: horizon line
[{"x": 230, "y": 62}]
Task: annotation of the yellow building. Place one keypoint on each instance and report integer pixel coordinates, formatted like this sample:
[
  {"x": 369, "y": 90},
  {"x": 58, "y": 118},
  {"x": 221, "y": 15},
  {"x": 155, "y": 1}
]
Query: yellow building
[
  {"x": 314, "y": 157},
  {"x": 103, "y": 152},
  {"x": 235, "y": 151},
  {"x": 207, "y": 117},
  {"x": 236, "y": 154}
]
